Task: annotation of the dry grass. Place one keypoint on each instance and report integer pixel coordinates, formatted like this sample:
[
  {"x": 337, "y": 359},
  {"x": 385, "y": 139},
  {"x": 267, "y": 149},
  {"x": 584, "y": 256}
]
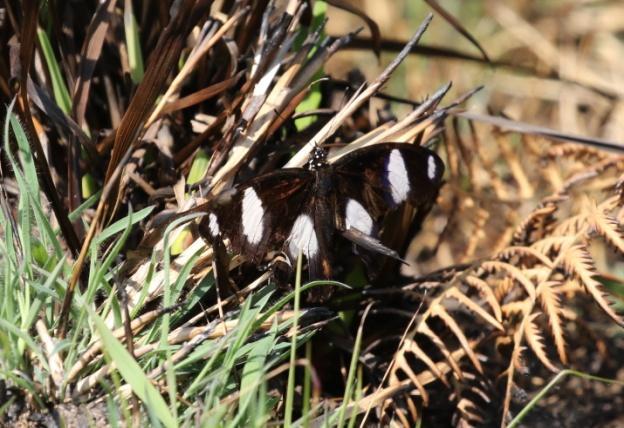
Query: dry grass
[{"x": 505, "y": 281}]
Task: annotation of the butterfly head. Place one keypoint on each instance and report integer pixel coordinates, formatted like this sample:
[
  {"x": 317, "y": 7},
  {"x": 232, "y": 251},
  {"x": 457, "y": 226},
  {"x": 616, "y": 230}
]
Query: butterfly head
[{"x": 318, "y": 159}]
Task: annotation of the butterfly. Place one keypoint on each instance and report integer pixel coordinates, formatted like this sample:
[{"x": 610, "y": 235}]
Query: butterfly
[{"x": 306, "y": 210}]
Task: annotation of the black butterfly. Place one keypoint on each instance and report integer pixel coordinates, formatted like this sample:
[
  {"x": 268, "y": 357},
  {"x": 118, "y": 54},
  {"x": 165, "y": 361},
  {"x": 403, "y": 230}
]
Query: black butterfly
[{"x": 305, "y": 209}]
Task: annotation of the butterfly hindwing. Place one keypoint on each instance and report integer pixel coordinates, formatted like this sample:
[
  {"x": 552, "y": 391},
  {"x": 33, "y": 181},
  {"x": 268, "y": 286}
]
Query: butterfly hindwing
[
  {"x": 310, "y": 235},
  {"x": 259, "y": 216}
]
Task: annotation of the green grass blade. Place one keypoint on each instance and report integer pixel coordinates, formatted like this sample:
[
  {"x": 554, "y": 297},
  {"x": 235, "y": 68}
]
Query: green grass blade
[
  {"x": 307, "y": 383},
  {"x": 558, "y": 378},
  {"x": 355, "y": 355},
  {"x": 121, "y": 225},
  {"x": 75, "y": 214},
  {"x": 198, "y": 167},
  {"x": 132, "y": 372},
  {"x": 290, "y": 389},
  {"x": 133, "y": 42},
  {"x": 59, "y": 88},
  {"x": 25, "y": 155},
  {"x": 253, "y": 372}
]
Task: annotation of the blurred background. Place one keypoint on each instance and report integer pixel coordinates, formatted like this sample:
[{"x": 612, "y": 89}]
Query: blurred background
[{"x": 566, "y": 58}]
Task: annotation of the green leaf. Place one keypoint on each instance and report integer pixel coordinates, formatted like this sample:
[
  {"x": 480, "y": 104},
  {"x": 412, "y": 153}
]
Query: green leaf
[
  {"x": 253, "y": 372},
  {"x": 122, "y": 224},
  {"x": 133, "y": 42},
  {"x": 61, "y": 94},
  {"x": 88, "y": 186},
  {"x": 181, "y": 242},
  {"x": 25, "y": 155},
  {"x": 75, "y": 214},
  {"x": 290, "y": 388},
  {"x": 27, "y": 182},
  {"x": 311, "y": 102},
  {"x": 198, "y": 168}
]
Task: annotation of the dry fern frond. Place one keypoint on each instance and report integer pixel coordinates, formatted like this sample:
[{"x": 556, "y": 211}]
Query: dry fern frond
[
  {"x": 545, "y": 258},
  {"x": 548, "y": 296},
  {"x": 440, "y": 312},
  {"x": 517, "y": 307},
  {"x": 472, "y": 399},
  {"x": 523, "y": 252},
  {"x": 606, "y": 225},
  {"x": 446, "y": 308},
  {"x": 577, "y": 261},
  {"x": 487, "y": 293},
  {"x": 536, "y": 341},
  {"x": 576, "y": 152},
  {"x": 552, "y": 244},
  {"x": 571, "y": 226},
  {"x": 502, "y": 287},
  {"x": 515, "y": 273}
]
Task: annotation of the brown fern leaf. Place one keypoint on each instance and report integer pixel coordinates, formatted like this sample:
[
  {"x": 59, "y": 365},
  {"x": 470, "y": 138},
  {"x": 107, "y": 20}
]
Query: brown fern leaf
[
  {"x": 606, "y": 226},
  {"x": 548, "y": 296},
  {"x": 401, "y": 414},
  {"x": 536, "y": 221},
  {"x": 575, "y": 151},
  {"x": 401, "y": 364},
  {"x": 569, "y": 314},
  {"x": 571, "y": 226},
  {"x": 523, "y": 252},
  {"x": 577, "y": 261},
  {"x": 454, "y": 293},
  {"x": 536, "y": 341},
  {"x": 448, "y": 320},
  {"x": 439, "y": 343},
  {"x": 538, "y": 273},
  {"x": 610, "y": 204},
  {"x": 437, "y": 309},
  {"x": 521, "y": 307},
  {"x": 553, "y": 244},
  {"x": 382, "y": 396},
  {"x": 512, "y": 271},
  {"x": 487, "y": 293},
  {"x": 473, "y": 402},
  {"x": 468, "y": 416},
  {"x": 433, "y": 367},
  {"x": 502, "y": 287},
  {"x": 515, "y": 363}
]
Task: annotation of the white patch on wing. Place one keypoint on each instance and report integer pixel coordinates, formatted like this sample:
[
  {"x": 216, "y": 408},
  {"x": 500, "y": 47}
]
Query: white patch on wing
[
  {"x": 252, "y": 214},
  {"x": 303, "y": 237},
  {"x": 213, "y": 224},
  {"x": 397, "y": 176},
  {"x": 431, "y": 168},
  {"x": 356, "y": 217}
]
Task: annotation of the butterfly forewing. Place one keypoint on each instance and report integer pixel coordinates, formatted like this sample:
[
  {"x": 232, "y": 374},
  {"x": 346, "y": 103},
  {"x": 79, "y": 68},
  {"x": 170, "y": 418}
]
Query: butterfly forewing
[{"x": 373, "y": 180}]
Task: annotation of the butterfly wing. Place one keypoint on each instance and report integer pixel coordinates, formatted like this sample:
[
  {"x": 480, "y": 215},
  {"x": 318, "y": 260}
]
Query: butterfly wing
[
  {"x": 285, "y": 209},
  {"x": 377, "y": 179},
  {"x": 258, "y": 215},
  {"x": 311, "y": 235},
  {"x": 384, "y": 176}
]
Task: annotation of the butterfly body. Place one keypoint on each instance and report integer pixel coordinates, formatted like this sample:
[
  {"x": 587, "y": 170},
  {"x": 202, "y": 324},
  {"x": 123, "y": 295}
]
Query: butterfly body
[{"x": 304, "y": 210}]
